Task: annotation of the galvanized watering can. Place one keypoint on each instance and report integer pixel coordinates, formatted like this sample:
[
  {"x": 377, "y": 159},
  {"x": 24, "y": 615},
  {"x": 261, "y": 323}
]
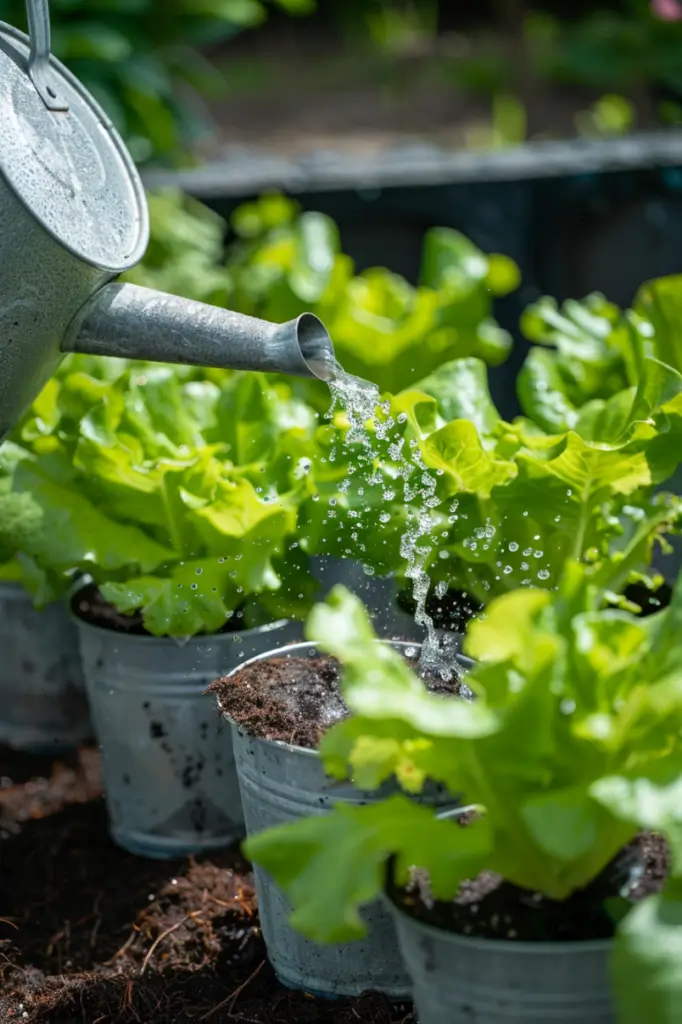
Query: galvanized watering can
[{"x": 73, "y": 215}]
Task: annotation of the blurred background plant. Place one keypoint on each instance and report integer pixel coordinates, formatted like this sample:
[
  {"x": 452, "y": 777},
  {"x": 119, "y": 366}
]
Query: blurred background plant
[
  {"x": 160, "y": 70},
  {"x": 143, "y": 59},
  {"x": 281, "y": 262},
  {"x": 384, "y": 329}
]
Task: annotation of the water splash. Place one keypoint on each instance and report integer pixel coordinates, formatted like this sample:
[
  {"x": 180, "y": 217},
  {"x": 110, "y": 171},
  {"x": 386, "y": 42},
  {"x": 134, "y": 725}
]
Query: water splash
[{"x": 362, "y": 405}]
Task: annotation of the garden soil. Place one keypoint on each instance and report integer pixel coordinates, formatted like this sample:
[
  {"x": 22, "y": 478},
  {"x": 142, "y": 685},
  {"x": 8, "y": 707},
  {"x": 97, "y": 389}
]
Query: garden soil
[
  {"x": 293, "y": 700},
  {"x": 90, "y": 934},
  {"x": 490, "y": 908}
]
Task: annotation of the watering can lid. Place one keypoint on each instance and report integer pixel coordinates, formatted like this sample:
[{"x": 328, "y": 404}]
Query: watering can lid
[{"x": 68, "y": 167}]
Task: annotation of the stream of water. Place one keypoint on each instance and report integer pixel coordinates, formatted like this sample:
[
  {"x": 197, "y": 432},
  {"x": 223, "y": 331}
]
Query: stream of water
[{"x": 361, "y": 401}]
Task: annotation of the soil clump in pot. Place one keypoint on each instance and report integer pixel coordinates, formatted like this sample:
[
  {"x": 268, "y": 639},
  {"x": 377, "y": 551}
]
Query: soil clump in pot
[
  {"x": 295, "y": 700},
  {"x": 488, "y": 907}
]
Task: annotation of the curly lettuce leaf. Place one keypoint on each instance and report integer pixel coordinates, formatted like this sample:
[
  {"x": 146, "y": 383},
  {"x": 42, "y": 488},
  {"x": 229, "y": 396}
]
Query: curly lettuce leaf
[
  {"x": 328, "y": 889},
  {"x": 585, "y": 709}
]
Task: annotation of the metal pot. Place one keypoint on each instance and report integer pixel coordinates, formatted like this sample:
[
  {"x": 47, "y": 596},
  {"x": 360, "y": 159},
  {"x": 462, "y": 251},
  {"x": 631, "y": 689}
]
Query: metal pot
[
  {"x": 169, "y": 775},
  {"x": 460, "y": 980},
  {"x": 43, "y": 707},
  {"x": 281, "y": 783}
]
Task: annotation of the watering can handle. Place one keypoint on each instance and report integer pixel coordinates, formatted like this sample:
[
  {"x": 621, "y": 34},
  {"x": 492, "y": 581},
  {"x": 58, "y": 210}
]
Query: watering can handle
[{"x": 39, "y": 70}]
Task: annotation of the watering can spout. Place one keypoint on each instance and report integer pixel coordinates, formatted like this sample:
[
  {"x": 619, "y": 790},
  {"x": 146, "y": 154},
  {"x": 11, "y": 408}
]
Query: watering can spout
[{"x": 140, "y": 323}]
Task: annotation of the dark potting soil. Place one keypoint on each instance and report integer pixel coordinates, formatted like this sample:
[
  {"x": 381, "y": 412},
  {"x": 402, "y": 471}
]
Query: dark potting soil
[
  {"x": 90, "y": 934},
  {"x": 92, "y": 607},
  {"x": 452, "y": 612},
  {"x": 488, "y": 907},
  {"x": 649, "y": 601},
  {"x": 294, "y": 700}
]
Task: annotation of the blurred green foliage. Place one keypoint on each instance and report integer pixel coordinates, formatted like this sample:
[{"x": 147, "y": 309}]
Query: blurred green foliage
[
  {"x": 283, "y": 262},
  {"x": 142, "y": 60},
  {"x": 610, "y": 50},
  {"x": 384, "y": 329}
]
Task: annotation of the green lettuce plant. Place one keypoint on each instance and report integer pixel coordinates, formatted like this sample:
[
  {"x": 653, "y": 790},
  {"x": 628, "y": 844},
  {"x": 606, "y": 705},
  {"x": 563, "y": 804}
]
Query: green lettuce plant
[
  {"x": 177, "y": 494},
  {"x": 384, "y": 329},
  {"x": 571, "y": 746},
  {"x": 591, "y": 350},
  {"x": 488, "y": 506},
  {"x": 588, "y": 493}
]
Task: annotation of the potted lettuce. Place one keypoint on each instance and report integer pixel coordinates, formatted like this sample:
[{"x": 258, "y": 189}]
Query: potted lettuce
[
  {"x": 447, "y": 494},
  {"x": 177, "y": 496},
  {"x": 569, "y": 750},
  {"x": 591, "y": 492},
  {"x": 278, "y": 706},
  {"x": 591, "y": 349},
  {"x": 43, "y": 705}
]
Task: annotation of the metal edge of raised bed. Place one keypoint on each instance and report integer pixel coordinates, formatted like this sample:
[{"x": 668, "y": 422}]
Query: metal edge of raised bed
[{"x": 247, "y": 172}]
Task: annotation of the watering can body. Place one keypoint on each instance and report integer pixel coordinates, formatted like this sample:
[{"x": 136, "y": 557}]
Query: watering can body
[{"x": 73, "y": 216}]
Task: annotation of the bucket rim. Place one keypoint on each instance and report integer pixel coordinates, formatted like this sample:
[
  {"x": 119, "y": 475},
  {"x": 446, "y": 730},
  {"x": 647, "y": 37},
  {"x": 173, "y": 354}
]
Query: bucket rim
[
  {"x": 498, "y": 946},
  {"x": 308, "y": 647}
]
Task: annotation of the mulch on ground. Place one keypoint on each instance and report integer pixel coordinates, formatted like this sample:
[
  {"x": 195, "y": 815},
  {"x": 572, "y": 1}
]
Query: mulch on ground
[{"x": 92, "y": 935}]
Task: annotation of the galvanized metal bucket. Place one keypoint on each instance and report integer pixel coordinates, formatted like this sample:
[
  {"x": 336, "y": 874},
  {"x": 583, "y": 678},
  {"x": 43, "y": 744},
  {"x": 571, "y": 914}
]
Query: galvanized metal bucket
[
  {"x": 378, "y": 593},
  {"x": 460, "y": 980},
  {"x": 281, "y": 783},
  {"x": 169, "y": 774},
  {"x": 43, "y": 707}
]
